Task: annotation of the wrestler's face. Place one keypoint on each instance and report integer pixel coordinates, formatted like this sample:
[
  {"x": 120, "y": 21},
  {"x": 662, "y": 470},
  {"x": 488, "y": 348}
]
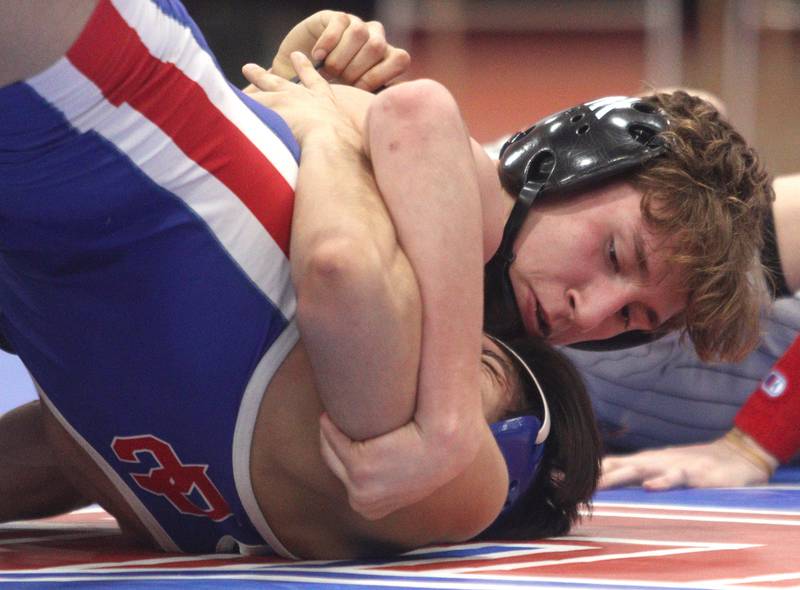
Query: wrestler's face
[
  {"x": 587, "y": 268},
  {"x": 501, "y": 387}
]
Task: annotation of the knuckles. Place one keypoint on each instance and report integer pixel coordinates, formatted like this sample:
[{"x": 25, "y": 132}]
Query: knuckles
[{"x": 375, "y": 47}]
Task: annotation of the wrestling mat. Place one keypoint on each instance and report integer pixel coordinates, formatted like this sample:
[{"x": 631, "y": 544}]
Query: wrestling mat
[{"x": 741, "y": 539}]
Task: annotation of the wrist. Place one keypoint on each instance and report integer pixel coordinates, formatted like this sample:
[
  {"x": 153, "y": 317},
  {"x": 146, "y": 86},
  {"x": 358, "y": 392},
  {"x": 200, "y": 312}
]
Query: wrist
[
  {"x": 746, "y": 447},
  {"x": 332, "y": 135},
  {"x": 457, "y": 438}
]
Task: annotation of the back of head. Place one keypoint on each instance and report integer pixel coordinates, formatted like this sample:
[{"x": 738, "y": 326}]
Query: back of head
[
  {"x": 709, "y": 194},
  {"x": 570, "y": 466}
]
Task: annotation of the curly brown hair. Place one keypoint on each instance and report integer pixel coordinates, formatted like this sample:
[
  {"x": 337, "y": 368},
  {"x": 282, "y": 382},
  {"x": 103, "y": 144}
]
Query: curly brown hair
[{"x": 709, "y": 195}]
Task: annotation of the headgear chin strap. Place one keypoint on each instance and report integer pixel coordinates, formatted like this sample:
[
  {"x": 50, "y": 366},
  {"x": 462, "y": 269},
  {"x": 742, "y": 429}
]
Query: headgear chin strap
[
  {"x": 521, "y": 440},
  {"x": 565, "y": 152}
]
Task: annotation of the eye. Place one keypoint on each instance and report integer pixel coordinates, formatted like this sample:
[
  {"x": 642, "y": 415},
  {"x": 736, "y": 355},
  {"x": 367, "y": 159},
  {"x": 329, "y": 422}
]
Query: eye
[
  {"x": 612, "y": 255},
  {"x": 495, "y": 369},
  {"x": 625, "y": 312},
  {"x": 625, "y": 315}
]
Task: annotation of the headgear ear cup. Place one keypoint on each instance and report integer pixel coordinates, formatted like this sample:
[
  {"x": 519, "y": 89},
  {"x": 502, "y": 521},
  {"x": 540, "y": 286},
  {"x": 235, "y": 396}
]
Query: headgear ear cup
[{"x": 521, "y": 440}]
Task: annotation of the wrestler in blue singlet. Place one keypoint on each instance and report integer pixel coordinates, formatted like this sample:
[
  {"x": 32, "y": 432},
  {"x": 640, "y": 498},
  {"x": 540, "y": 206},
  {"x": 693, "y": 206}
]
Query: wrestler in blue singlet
[{"x": 145, "y": 210}]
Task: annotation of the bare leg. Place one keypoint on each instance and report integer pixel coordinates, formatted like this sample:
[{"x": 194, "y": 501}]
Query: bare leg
[
  {"x": 32, "y": 484},
  {"x": 35, "y": 33}
]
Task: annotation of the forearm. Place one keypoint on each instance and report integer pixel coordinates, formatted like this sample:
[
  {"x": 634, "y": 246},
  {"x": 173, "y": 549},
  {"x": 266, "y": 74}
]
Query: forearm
[
  {"x": 32, "y": 484},
  {"x": 358, "y": 304},
  {"x": 771, "y": 416},
  {"x": 425, "y": 171}
]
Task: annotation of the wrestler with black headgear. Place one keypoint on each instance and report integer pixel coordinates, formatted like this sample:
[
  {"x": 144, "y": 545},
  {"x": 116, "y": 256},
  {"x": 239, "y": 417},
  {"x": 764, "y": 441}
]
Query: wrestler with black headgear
[{"x": 643, "y": 221}]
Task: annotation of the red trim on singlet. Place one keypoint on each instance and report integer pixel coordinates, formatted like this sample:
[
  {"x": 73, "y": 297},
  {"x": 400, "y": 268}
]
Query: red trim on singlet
[
  {"x": 185, "y": 114},
  {"x": 772, "y": 414}
]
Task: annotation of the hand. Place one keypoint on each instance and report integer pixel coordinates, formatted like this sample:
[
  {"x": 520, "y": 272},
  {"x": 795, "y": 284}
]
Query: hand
[
  {"x": 353, "y": 51},
  {"x": 397, "y": 469},
  {"x": 305, "y": 108},
  {"x": 714, "y": 464}
]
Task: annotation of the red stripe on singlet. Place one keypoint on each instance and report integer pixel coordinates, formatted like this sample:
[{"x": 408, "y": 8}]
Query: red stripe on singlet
[{"x": 162, "y": 93}]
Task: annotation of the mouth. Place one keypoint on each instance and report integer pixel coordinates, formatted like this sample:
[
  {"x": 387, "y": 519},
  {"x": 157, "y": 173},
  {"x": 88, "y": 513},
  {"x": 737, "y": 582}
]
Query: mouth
[{"x": 536, "y": 319}]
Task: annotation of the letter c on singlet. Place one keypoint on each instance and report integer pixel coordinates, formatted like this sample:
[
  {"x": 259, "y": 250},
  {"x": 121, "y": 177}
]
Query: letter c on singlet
[{"x": 172, "y": 479}]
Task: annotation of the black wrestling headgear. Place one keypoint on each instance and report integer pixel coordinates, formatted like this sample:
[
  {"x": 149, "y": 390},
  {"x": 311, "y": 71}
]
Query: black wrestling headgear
[{"x": 564, "y": 152}]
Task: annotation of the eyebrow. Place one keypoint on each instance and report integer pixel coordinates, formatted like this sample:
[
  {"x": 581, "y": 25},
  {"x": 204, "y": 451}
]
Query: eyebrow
[{"x": 640, "y": 253}]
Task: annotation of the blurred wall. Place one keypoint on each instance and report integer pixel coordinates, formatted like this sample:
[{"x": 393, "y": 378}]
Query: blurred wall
[{"x": 509, "y": 62}]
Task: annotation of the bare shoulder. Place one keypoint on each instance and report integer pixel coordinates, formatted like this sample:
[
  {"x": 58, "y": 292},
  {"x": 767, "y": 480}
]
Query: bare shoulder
[{"x": 35, "y": 33}]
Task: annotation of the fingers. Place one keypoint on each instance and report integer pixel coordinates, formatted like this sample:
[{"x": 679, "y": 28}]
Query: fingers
[
  {"x": 394, "y": 64},
  {"x": 337, "y": 24},
  {"x": 338, "y": 441},
  {"x": 358, "y": 39},
  {"x": 675, "y": 477},
  {"x": 623, "y": 471},
  {"x": 619, "y": 476},
  {"x": 367, "y": 48},
  {"x": 356, "y": 53},
  {"x": 328, "y": 449},
  {"x": 642, "y": 469},
  {"x": 364, "y": 499},
  {"x": 262, "y": 79},
  {"x": 308, "y": 75}
]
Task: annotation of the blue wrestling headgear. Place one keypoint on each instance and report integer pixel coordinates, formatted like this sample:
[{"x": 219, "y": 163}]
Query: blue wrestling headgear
[
  {"x": 521, "y": 440},
  {"x": 564, "y": 152}
]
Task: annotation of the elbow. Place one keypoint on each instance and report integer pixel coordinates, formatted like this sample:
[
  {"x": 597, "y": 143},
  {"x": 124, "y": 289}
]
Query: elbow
[
  {"x": 415, "y": 98},
  {"x": 414, "y": 109},
  {"x": 333, "y": 275}
]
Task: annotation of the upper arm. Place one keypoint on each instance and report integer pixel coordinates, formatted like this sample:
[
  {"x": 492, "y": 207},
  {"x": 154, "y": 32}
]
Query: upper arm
[{"x": 35, "y": 33}]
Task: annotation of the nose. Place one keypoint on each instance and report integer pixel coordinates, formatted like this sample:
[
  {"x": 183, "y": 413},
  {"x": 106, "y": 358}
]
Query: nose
[{"x": 595, "y": 307}]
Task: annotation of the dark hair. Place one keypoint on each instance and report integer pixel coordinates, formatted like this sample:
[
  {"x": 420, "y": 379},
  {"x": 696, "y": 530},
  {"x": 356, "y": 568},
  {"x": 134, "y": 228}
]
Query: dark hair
[{"x": 570, "y": 466}]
